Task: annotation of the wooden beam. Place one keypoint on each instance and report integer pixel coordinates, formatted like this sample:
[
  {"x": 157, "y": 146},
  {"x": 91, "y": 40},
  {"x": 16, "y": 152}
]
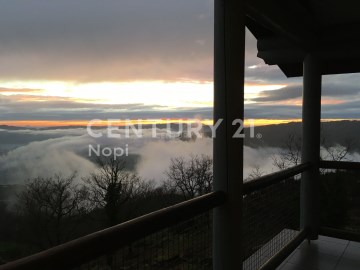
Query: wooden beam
[
  {"x": 282, "y": 56},
  {"x": 338, "y": 33},
  {"x": 285, "y": 20},
  {"x": 335, "y": 57}
]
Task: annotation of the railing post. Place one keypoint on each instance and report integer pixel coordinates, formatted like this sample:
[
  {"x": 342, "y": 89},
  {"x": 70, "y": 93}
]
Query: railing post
[
  {"x": 228, "y": 151},
  {"x": 310, "y": 209}
]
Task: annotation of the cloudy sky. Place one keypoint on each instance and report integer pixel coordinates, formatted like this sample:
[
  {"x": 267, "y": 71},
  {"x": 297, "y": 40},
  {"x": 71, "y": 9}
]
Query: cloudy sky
[{"x": 71, "y": 61}]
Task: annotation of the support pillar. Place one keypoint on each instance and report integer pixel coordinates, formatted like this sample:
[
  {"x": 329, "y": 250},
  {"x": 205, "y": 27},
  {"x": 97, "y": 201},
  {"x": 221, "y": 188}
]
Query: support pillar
[
  {"x": 310, "y": 209},
  {"x": 228, "y": 151}
]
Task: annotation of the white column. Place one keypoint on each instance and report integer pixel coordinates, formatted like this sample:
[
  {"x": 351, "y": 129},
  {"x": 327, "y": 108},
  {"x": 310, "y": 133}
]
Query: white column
[
  {"x": 310, "y": 211},
  {"x": 228, "y": 151}
]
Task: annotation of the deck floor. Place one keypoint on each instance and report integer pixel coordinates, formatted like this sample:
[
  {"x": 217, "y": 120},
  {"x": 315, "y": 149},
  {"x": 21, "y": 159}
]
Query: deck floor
[{"x": 324, "y": 254}]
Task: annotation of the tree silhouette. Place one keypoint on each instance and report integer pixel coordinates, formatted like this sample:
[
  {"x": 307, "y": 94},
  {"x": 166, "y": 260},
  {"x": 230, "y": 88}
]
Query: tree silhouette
[
  {"x": 112, "y": 186},
  {"x": 290, "y": 153},
  {"x": 192, "y": 177},
  {"x": 51, "y": 208}
]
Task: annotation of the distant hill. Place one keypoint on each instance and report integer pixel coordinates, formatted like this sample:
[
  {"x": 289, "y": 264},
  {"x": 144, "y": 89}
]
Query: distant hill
[
  {"x": 337, "y": 132},
  {"x": 6, "y": 127},
  {"x": 8, "y": 193}
]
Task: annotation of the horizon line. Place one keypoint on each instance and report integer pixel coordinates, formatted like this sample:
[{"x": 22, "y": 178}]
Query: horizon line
[{"x": 104, "y": 123}]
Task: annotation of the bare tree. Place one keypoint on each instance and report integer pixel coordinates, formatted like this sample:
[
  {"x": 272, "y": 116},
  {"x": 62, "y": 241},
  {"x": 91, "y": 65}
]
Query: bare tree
[
  {"x": 337, "y": 152},
  {"x": 112, "y": 186},
  {"x": 50, "y": 208},
  {"x": 192, "y": 177},
  {"x": 256, "y": 172},
  {"x": 290, "y": 154}
]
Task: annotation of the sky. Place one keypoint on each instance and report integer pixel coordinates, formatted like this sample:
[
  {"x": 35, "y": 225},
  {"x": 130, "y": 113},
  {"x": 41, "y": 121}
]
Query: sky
[
  {"x": 70, "y": 61},
  {"x": 67, "y": 62}
]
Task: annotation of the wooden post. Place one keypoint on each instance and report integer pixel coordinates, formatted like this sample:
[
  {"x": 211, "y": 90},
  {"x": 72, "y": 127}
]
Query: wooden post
[
  {"x": 310, "y": 209},
  {"x": 228, "y": 151}
]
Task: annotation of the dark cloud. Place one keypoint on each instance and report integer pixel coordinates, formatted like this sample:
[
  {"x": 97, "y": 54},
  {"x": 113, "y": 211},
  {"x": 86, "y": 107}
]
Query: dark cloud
[
  {"x": 345, "y": 110},
  {"x": 22, "y": 107},
  {"x": 265, "y": 111},
  {"x": 267, "y": 74},
  {"x": 95, "y": 40},
  {"x": 90, "y": 40},
  {"x": 346, "y": 85},
  {"x": 344, "y": 91},
  {"x": 348, "y": 110},
  {"x": 289, "y": 92},
  {"x": 26, "y": 103}
]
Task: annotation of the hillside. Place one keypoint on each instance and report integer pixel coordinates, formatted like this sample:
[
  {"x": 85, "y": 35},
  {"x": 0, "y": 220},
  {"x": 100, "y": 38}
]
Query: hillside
[{"x": 333, "y": 132}]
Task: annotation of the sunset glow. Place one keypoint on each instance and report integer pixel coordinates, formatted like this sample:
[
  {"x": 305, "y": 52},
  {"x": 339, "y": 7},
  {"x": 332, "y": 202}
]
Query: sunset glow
[
  {"x": 123, "y": 122},
  {"x": 171, "y": 94},
  {"x": 160, "y": 93}
]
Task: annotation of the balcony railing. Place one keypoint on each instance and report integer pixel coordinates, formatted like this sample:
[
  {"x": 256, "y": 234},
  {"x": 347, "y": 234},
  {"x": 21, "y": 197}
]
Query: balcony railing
[
  {"x": 102, "y": 245},
  {"x": 340, "y": 197},
  {"x": 180, "y": 236},
  {"x": 271, "y": 219}
]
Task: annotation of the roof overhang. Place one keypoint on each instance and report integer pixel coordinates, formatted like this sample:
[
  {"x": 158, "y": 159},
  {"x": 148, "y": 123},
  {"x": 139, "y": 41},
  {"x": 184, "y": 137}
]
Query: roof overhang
[{"x": 288, "y": 30}]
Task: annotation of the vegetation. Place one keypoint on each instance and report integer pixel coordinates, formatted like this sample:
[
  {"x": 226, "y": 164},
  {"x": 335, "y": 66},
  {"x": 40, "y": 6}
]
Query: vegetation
[
  {"x": 339, "y": 189},
  {"x": 112, "y": 186},
  {"x": 191, "y": 177},
  {"x": 50, "y": 211}
]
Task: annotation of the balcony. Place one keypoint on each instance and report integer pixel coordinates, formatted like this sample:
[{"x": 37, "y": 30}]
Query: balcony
[
  {"x": 180, "y": 237},
  {"x": 260, "y": 224},
  {"x": 325, "y": 253}
]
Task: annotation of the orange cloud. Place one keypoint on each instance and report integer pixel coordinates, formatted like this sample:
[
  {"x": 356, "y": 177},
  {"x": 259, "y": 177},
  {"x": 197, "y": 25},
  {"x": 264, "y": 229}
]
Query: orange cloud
[
  {"x": 330, "y": 101},
  {"x": 298, "y": 102},
  {"x": 14, "y": 91}
]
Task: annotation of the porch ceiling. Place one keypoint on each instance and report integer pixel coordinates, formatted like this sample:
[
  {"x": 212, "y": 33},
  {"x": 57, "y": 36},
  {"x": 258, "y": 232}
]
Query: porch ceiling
[{"x": 287, "y": 30}]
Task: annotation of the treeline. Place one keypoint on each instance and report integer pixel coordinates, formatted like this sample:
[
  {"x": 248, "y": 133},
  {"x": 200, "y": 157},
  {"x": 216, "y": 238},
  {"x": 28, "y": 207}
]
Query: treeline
[
  {"x": 53, "y": 210},
  {"x": 50, "y": 211},
  {"x": 335, "y": 133},
  {"x": 339, "y": 189}
]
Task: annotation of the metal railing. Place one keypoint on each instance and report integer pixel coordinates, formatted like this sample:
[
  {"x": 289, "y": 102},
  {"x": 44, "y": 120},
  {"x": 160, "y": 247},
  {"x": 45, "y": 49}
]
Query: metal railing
[
  {"x": 273, "y": 178},
  {"x": 266, "y": 243},
  {"x": 85, "y": 249},
  {"x": 271, "y": 218},
  {"x": 341, "y": 198},
  {"x": 186, "y": 245},
  {"x": 342, "y": 165}
]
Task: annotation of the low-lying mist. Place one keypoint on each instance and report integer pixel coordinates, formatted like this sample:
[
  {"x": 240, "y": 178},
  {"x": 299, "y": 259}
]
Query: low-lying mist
[{"x": 65, "y": 151}]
